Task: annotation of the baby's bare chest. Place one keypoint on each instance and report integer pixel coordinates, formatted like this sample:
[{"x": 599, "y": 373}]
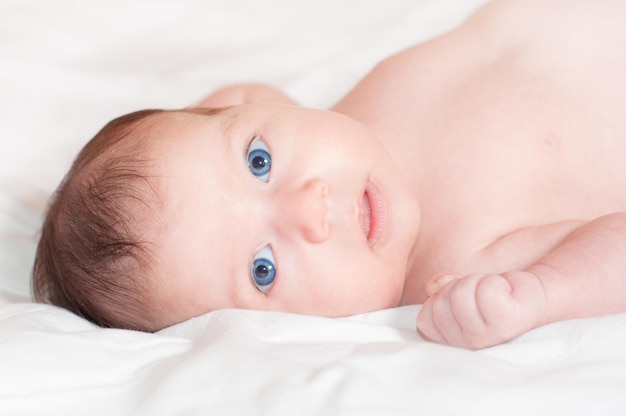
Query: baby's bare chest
[
  {"x": 516, "y": 163},
  {"x": 536, "y": 129},
  {"x": 546, "y": 152},
  {"x": 517, "y": 150},
  {"x": 522, "y": 153}
]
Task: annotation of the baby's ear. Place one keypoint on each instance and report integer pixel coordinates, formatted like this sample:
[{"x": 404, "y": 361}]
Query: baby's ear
[{"x": 245, "y": 94}]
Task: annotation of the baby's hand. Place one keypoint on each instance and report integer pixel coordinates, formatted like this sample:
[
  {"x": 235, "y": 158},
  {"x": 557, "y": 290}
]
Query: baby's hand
[{"x": 481, "y": 310}]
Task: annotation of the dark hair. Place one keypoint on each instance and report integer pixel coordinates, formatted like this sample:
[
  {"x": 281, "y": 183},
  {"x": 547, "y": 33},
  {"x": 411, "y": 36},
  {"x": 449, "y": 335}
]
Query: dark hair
[{"x": 92, "y": 256}]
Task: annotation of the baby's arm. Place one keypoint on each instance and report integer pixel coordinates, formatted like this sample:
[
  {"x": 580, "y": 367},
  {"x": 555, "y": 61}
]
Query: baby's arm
[
  {"x": 245, "y": 94},
  {"x": 584, "y": 276}
]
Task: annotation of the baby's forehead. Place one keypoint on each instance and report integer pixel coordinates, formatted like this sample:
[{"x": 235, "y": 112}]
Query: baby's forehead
[
  {"x": 164, "y": 131},
  {"x": 171, "y": 142},
  {"x": 168, "y": 121}
]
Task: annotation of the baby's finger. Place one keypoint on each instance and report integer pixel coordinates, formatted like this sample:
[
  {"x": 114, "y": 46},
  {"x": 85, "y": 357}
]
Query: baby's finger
[
  {"x": 442, "y": 326},
  {"x": 425, "y": 324},
  {"x": 437, "y": 282},
  {"x": 464, "y": 307}
]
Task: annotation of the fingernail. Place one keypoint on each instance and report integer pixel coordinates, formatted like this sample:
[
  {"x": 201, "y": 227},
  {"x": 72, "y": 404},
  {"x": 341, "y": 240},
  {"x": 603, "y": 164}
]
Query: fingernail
[{"x": 444, "y": 279}]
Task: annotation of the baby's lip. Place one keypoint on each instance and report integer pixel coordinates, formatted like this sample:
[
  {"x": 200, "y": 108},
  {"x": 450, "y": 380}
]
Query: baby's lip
[{"x": 373, "y": 213}]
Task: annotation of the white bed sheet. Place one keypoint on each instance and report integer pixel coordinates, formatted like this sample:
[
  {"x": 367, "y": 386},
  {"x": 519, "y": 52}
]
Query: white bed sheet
[{"x": 67, "y": 67}]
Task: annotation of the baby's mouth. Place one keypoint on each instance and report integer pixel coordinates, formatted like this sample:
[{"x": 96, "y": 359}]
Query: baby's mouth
[{"x": 374, "y": 213}]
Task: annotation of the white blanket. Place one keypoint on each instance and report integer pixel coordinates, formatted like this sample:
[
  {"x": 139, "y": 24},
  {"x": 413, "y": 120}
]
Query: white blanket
[{"x": 67, "y": 67}]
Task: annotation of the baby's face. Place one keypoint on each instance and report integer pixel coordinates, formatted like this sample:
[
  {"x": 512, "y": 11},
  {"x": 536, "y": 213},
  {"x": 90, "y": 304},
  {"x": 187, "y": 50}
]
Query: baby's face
[{"x": 275, "y": 207}]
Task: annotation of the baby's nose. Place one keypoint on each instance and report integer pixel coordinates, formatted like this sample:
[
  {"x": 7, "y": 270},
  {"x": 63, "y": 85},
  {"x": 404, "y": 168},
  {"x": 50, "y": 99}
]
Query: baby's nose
[{"x": 305, "y": 211}]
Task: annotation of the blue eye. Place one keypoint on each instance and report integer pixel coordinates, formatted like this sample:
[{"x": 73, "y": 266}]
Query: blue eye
[
  {"x": 264, "y": 269},
  {"x": 259, "y": 160}
]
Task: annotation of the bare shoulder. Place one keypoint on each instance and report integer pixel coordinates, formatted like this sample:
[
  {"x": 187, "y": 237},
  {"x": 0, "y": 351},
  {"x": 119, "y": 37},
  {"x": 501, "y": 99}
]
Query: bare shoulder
[
  {"x": 511, "y": 14},
  {"x": 594, "y": 23},
  {"x": 244, "y": 94},
  {"x": 577, "y": 46},
  {"x": 539, "y": 36}
]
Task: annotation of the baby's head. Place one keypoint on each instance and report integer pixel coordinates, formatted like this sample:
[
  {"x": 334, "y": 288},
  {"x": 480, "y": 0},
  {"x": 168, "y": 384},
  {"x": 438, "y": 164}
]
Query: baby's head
[
  {"x": 93, "y": 254},
  {"x": 166, "y": 215}
]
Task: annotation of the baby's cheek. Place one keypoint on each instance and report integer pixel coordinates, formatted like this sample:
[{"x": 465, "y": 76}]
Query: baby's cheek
[{"x": 386, "y": 291}]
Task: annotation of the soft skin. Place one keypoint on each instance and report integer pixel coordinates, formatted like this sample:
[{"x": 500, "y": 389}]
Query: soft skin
[
  {"x": 219, "y": 215},
  {"x": 495, "y": 152}
]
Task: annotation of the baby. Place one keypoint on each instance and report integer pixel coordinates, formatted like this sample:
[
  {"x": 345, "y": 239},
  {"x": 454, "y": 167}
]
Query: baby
[{"x": 480, "y": 174}]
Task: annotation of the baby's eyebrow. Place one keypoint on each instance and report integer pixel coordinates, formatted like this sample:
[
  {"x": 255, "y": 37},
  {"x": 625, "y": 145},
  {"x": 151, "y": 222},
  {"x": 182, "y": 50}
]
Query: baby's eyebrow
[
  {"x": 228, "y": 118},
  {"x": 228, "y": 122}
]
